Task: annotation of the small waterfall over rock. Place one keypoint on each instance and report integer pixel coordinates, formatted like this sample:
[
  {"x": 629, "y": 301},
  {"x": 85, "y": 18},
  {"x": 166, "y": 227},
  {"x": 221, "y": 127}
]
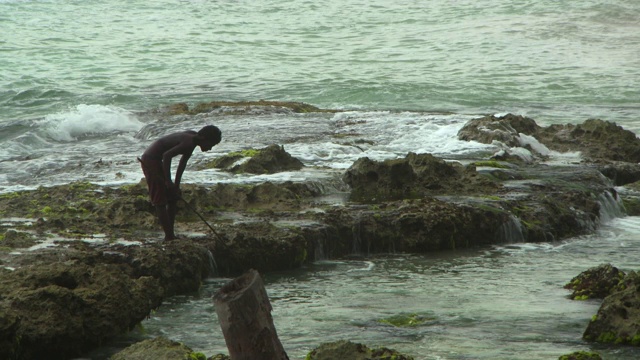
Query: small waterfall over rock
[
  {"x": 320, "y": 244},
  {"x": 511, "y": 231},
  {"x": 212, "y": 266},
  {"x": 357, "y": 235},
  {"x": 611, "y": 206}
]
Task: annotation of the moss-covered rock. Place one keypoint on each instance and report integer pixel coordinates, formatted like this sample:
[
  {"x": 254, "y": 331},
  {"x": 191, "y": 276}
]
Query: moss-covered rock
[
  {"x": 159, "y": 348},
  {"x": 353, "y": 351},
  {"x": 91, "y": 293},
  {"x": 269, "y": 160},
  {"x": 597, "y": 282},
  {"x": 17, "y": 239},
  {"x": 581, "y": 355},
  {"x": 595, "y": 139},
  {"x": 618, "y": 319},
  {"x": 407, "y": 320},
  {"x": 414, "y": 176}
]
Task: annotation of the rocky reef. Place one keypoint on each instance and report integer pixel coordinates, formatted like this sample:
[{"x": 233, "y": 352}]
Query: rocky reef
[
  {"x": 618, "y": 319},
  {"x": 82, "y": 263},
  {"x": 353, "y": 351}
]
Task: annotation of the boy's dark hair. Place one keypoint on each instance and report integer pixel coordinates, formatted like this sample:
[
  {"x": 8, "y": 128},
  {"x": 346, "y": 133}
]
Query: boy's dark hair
[{"x": 212, "y": 133}]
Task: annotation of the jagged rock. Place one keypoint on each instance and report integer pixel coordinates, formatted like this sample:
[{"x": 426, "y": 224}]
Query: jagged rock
[
  {"x": 159, "y": 348},
  {"x": 85, "y": 305},
  {"x": 411, "y": 226},
  {"x": 261, "y": 246},
  {"x": 597, "y": 282},
  {"x": 414, "y": 176},
  {"x": 581, "y": 355},
  {"x": 348, "y": 350},
  {"x": 269, "y": 160},
  {"x": 17, "y": 239},
  {"x": 505, "y": 129},
  {"x": 595, "y": 139},
  {"x": 91, "y": 293},
  {"x": 618, "y": 319},
  {"x": 621, "y": 173}
]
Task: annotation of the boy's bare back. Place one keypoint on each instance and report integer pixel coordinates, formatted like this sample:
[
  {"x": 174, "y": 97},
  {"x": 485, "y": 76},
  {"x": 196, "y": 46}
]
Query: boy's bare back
[{"x": 167, "y": 147}]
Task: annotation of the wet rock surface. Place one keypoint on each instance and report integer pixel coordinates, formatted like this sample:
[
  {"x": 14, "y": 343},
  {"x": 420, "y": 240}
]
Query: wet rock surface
[
  {"x": 92, "y": 257},
  {"x": 581, "y": 355},
  {"x": 597, "y": 282},
  {"x": 269, "y": 160},
  {"x": 353, "y": 351},
  {"x": 618, "y": 319},
  {"x": 596, "y": 139},
  {"x": 159, "y": 348}
]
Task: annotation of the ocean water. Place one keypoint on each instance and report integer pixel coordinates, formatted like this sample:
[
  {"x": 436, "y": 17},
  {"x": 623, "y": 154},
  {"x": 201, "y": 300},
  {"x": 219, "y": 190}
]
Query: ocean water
[
  {"x": 77, "y": 79},
  {"x": 74, "y": 75}
]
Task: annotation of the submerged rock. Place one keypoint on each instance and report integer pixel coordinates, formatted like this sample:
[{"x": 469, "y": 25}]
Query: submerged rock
[
  {"x": 407, "y": 320},
  {"x": 581, "y": 355},
  {"x": 161, "y": 348},
  {"x": 597, "y": 282},
  {"x": 618, "y": 319},
  {"x": 348, "y": 350}
]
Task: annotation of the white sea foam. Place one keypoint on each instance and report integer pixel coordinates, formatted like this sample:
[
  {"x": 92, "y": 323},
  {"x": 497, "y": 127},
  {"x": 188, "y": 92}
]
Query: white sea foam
[
  {"x": 393, "y": 135},
  {"x": 88, "y": 120},
  {"x": 534, "y": 144}
]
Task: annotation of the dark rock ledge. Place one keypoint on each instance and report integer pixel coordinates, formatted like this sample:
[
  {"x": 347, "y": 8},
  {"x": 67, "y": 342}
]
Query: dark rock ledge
[{"x": 108, "y": 271}]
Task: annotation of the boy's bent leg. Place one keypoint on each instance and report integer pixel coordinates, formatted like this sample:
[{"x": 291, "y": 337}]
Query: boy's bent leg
[
  {"x": 172, "y": 209},
  {"x": 165, "y": 222}
]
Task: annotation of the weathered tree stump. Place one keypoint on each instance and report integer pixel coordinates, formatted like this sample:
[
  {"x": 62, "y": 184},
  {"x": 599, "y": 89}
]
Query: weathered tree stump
[{"x": 244, "y": 312}]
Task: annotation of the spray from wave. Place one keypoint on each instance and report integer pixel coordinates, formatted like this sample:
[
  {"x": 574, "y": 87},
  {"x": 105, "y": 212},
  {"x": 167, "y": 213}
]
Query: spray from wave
[{"x": 87, "y": 121}]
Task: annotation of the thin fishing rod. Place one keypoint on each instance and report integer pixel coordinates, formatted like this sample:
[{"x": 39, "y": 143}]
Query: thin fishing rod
[{"x": 200, "y": 216}]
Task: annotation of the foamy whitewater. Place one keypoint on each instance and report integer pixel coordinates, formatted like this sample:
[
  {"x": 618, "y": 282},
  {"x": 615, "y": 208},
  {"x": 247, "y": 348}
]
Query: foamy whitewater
[{"x": 79, "y": 81}]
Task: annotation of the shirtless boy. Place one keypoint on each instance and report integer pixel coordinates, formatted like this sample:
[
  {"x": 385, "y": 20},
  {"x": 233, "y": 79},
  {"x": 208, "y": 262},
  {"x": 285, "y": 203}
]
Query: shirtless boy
[{"x": 156, "y": 166}]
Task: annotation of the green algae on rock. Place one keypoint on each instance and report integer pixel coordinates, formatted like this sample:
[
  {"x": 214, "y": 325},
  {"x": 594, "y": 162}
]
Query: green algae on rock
[
  {"x": 158, "y": 348},
  {"x": 597, "y": 282},
  {"x": 269, "y": 160},
  {"x": 618, "y": 318},
  {"x": 353, "y": 351},
  {"x": 407, "y": 320},
  {"x": 581, "y": 355}
]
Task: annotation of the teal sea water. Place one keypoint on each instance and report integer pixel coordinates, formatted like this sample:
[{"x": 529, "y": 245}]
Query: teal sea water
[
  {"x": 76, "y": 75},
  {"x": 551, "y": 60}
]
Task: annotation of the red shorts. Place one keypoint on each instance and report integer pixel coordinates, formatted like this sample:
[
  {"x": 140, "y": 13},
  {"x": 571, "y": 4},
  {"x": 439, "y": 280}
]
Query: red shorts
[{"x": 154, "y": 174}]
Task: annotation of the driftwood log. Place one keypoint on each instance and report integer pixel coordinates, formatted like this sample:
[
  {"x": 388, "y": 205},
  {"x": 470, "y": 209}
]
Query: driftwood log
[{"x": 244, "y": 312}]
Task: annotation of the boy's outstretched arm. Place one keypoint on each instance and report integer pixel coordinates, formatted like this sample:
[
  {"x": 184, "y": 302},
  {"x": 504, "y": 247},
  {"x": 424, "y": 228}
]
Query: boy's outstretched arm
[{"x": 181, "y": 167}]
